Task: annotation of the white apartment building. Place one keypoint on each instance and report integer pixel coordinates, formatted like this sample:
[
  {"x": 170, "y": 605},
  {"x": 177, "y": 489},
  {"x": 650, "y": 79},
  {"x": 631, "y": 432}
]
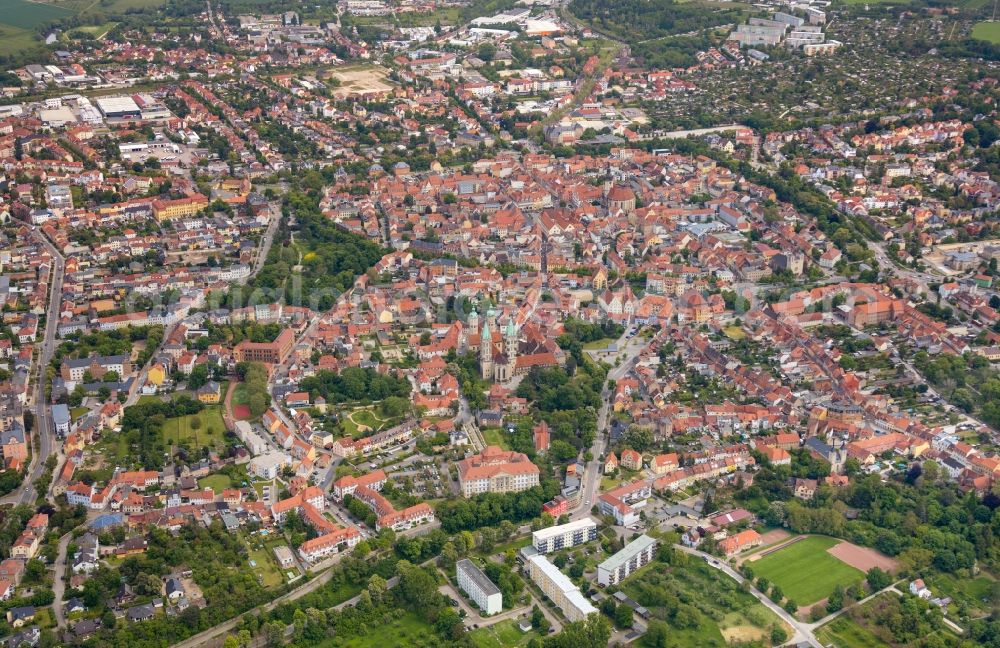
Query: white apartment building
[
  {"x": 564, "y": 536},
  {"x": 559, "y": 588},
  {"x": 478, "y": 587},
  {"x": 617, "y": 568}
]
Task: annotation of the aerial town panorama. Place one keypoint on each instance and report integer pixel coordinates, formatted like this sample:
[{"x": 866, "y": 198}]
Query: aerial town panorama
[{"x": 499, "y": 323}]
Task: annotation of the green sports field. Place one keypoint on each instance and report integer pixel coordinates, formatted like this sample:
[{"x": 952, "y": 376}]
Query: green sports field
[
  {"x": 805, "y": 572},
  {"x": 987, "y": 31}
]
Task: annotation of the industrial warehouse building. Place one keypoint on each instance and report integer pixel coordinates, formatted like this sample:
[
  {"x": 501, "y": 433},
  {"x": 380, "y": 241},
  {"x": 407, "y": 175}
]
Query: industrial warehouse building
[{"x": 118, "y": 108}]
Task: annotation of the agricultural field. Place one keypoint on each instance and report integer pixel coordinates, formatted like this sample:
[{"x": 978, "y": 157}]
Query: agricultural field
[
  {"x": 805, "y": 571},
  {"x": 505, "y": 634},
  {"x": 987, "y": 31},
  {"x": 702, "y": 606},
  {"x": 21, "y": 18},
  {"x": 29, "y": 15}
]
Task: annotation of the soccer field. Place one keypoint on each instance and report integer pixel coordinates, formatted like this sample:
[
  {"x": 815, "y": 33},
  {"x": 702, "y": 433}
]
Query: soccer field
[
  {"x": 805, "y": 572},
  {"x": 987, "y": 31}
]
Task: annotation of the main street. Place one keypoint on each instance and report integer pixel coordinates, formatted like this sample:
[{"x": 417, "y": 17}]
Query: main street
[
  {"x": 25, "y": 494},
  {"x": 633, "y": 346}
]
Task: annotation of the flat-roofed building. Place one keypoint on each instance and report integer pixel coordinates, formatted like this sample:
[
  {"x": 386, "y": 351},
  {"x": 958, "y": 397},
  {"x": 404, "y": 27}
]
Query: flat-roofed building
[
  {"x": 617, "y": 568},
  {"x": 118, "y": 107},
  {"x": 559, "y": 588},
  {"x": 564, "y": 536},
  {"x": 284, "y": 556},
  {"x": 479, "y": 587}
]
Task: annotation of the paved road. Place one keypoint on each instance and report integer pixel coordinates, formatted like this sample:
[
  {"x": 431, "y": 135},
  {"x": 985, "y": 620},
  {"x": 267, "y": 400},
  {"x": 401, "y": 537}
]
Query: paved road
[
  {"x": 265, "y": 244},
  {"x": 803, "y": 631},
  {"x": 59, "y": 583},
  {"x": 43, "y": 423},
  {"x": 592, "y": 472}
]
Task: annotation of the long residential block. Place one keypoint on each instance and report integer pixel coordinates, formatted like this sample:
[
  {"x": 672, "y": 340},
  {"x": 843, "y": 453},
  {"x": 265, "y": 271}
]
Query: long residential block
[
  {"x": 617, "y": 568},
  {"x": 479, "y": 587},
  {"x": 564, "y": 536}
]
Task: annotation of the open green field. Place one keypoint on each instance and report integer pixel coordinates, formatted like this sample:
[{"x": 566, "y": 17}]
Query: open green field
[
  {"x": 844, "y": 632},
  {"x": 96, "y": 30},
  {"x": 702, "y": 606},
  {"x": 406, "y": 631},
  {"x": 14, "y": 40},
  {"x": 805, "y": 572},
  {"x": 29, "y": 15},
  {"x": 734, "y": 333},
  {"x": 987, "y": 31},
  {"x": 495, "y": 436},
  {"x": 598, "y": 345},
  {"x": 502, "y": 635},
  {"x": 217, "y": 483},
  {"x": 20, "y": 18},
  {"x": 356, "y": 422},
  {"x": 210, "y": 433}
]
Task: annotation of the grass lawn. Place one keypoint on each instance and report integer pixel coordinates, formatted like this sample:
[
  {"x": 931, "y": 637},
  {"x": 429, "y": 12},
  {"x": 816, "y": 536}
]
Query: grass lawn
[
  {"x": 805, "y": 572},
  {"x": 844, "y": 632},
  {"x": 502, "y": 635},
  {"x": 96, "y": 30},
  {"x": 217, "y": 483},
  {"x": 734, "y": 333},
  {"x": 268, "y": 570},
  {"x": 210, "y": 433},
  {"x": 353, "y": 421},
  {"x": 495, "y": 436},
  {"x": 598, "y": 344},
  {"x": 77, "y": 412},
  {"x": 406, "y": 631},
  {"x": 987, "y": 31},
  {"x": 240, "y": 395}
]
